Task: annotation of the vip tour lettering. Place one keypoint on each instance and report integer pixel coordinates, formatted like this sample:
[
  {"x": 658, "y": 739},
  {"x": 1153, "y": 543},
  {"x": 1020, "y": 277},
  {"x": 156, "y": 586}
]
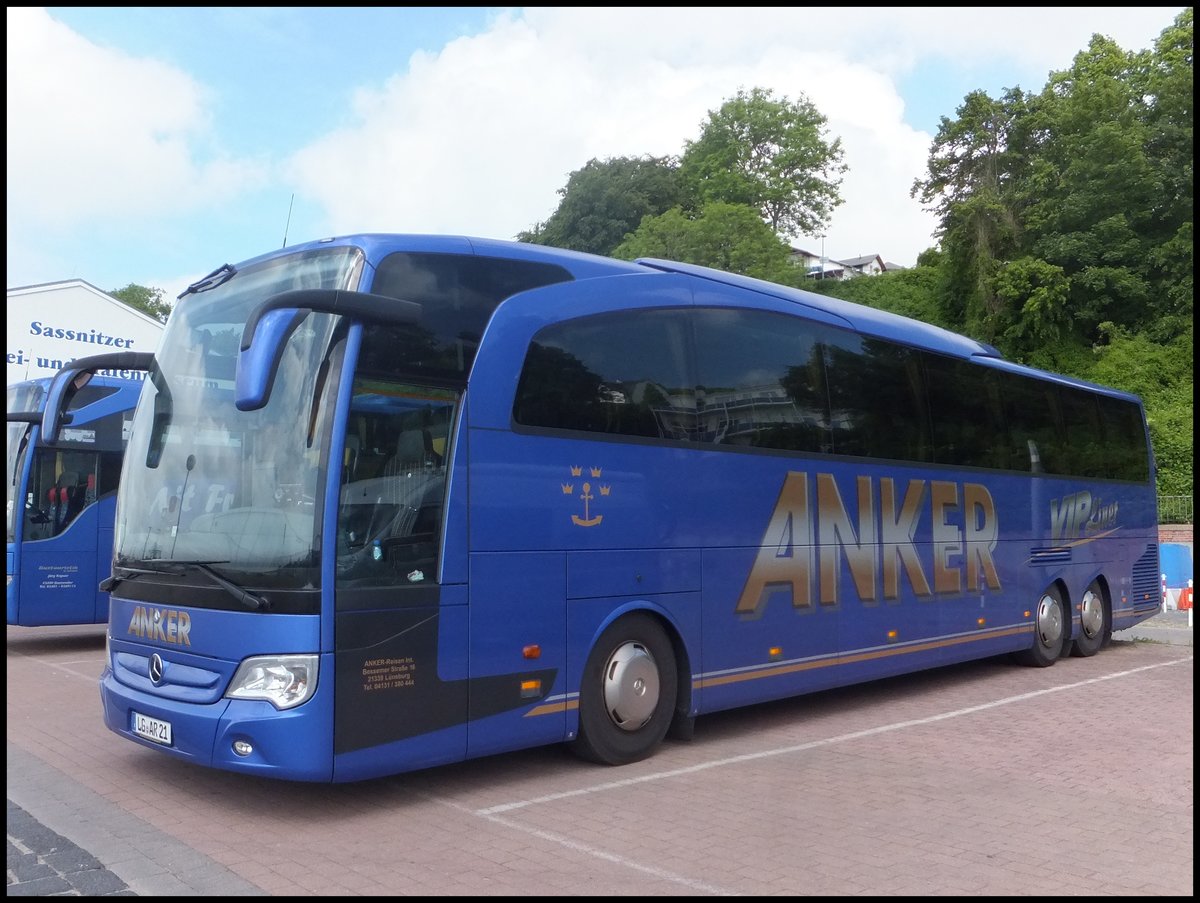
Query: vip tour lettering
[
  {"x": 804, "y": 543},
  {"x": 1077, "y": 515}
]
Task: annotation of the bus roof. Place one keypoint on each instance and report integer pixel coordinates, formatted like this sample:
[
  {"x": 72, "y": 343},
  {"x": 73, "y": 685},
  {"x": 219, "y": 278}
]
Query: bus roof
[
  {"x": 866, "y": 320},
  {"x": 863, "y": 319},
  {"x": 375, "y": 244}
]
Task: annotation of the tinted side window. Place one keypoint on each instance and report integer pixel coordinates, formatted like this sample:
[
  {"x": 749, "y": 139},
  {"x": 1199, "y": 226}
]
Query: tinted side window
[
  {"x": 1124, "y": 439},
  {"x": 457, "y": 294},
  {"x": 760, "y": 381},
  {"x": 89, "y": 394},
  {"x": 623, "y": 373},
  {"x": 1083, "y": 448},
  {"x": 1034, "y": 427},
  {"x": 876, "y": 399},
  {"x": 964, "y": 405}
]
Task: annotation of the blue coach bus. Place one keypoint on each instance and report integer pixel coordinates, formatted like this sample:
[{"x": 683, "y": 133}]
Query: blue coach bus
[
  {"x": 62, "y": 499},
  {"x": 393, "y": 501}
]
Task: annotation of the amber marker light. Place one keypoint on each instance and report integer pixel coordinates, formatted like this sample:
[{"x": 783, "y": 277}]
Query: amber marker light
[
  {"x": 775, "y": 653},
  {"x": 531, "y": 688},
  {"x": 532, "y": 651},
  {"x": 893, "y": 635},
  {"x": 981, "y": 621}
]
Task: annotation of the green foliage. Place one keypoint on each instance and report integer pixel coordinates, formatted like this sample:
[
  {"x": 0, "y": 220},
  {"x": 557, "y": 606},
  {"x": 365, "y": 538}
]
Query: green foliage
[
  {"x": 909, "y": 293},
  {"x": 730, "y": 237},
  {"x": 148, "y": 300},
  {"x": 1173, "y": 259},
  {"x": 605, "y": 201},
  {"x": 769, "y": 154},
  {"x": 1036, "y": 293}
]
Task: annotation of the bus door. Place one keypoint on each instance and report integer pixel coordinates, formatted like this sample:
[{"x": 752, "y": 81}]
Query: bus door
[
  {"x": 59, "y": 573},
  {"x": 19, "y": 434},
  {"x": 400, "y": 629}
]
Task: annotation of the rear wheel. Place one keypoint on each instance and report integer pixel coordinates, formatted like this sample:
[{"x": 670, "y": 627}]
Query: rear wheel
[
  {"x": 1049, "y": 629},
  {"x": 1095, "y": 626},
  {"x": 627, "y": 693}
]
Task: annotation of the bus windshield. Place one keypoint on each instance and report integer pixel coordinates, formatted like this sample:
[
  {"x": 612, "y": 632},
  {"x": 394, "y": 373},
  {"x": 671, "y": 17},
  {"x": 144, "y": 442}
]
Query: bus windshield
[{"x": 233, "y": 492}]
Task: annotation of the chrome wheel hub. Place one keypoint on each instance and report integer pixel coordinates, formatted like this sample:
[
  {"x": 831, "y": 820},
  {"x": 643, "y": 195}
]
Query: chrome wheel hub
[{"x": 631, "y": 686}]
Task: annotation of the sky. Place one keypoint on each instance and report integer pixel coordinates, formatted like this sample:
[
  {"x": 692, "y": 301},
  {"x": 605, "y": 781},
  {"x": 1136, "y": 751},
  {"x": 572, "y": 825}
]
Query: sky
[{"x": 152, "y": 145}]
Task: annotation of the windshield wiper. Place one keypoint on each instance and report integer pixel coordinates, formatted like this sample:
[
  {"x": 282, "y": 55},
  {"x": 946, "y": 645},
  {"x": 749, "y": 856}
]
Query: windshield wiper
[
  {"x": 219, "y": 276},
  {"x": 176, "y": 568}
]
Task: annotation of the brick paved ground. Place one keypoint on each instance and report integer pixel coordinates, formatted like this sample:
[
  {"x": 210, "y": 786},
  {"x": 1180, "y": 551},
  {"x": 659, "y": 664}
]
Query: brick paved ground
[{"x": 977, "y": 779}]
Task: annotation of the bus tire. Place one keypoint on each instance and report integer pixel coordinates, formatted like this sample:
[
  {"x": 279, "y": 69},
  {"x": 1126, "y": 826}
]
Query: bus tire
[
  {"x": 1049, "y": 629},
  {"x": 1095, "y": 624},
  {"x": 627, "y": 692}
]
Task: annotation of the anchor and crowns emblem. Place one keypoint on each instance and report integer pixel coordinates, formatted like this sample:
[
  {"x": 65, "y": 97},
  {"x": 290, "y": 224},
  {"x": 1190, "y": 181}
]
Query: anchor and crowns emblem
[{"x": 588, "y": 519}]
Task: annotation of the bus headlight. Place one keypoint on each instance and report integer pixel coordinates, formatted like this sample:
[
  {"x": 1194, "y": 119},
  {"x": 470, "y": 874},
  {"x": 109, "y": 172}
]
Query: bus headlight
[{"x": 285, "y": 681}]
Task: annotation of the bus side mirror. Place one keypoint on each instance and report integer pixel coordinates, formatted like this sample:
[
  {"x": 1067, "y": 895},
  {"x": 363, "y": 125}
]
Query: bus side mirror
[
  {"x": 77, "y": 374},
  {"x": 258, "y": 359},
  {"x": 271, "y": 324}
]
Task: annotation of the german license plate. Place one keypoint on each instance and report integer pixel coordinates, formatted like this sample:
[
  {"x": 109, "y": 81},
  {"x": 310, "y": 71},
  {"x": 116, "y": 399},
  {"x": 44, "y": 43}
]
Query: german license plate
[{"x": 152, "y": 728}]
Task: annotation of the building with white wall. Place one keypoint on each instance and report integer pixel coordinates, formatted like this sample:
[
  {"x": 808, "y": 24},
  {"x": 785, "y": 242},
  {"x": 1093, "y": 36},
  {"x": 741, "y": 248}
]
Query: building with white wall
[{"x": 52, "y": 324}]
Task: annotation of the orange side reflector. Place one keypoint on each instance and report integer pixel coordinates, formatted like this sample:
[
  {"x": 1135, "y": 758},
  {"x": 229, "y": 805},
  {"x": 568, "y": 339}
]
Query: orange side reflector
[
  {"x": 532, "y": 651},
  {"x": 531, "y": 688}
]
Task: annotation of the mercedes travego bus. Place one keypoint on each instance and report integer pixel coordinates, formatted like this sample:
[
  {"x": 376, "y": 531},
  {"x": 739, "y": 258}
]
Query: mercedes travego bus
[
  {"x": 62, "y": 498},
  {"x": 392, "y": 501}
]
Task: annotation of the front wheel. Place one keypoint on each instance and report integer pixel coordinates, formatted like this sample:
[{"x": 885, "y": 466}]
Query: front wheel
[
  {"x": 627, "y": 693},
  {"x": 1095, "y": 626},
  {"x": 1050, "y": 623}
]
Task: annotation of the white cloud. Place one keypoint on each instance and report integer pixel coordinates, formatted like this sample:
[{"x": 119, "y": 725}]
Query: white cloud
[{"x": 95, "y": 135}]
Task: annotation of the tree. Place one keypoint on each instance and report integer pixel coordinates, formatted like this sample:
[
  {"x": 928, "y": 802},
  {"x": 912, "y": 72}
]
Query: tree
[
  {"x": 770, "y": 154},
  {"x": 969, "y": 186},
  {"x": 1070, "y": 208},
  {"x": 147, "y": 300},
  {"x": 730, "y": 237},
  {"x": 606, "y": 200},
  {"x": 1169, "y": 117},
  {"x": 1090, "y": 212}
]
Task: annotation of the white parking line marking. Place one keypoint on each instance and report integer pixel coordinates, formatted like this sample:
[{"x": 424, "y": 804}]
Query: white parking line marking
[{"x": 801, "y": 747}]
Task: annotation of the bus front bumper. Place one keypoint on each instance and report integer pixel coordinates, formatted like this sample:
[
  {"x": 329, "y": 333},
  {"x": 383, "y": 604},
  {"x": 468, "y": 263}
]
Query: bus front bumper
[{"x": 251, "y": 737}]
